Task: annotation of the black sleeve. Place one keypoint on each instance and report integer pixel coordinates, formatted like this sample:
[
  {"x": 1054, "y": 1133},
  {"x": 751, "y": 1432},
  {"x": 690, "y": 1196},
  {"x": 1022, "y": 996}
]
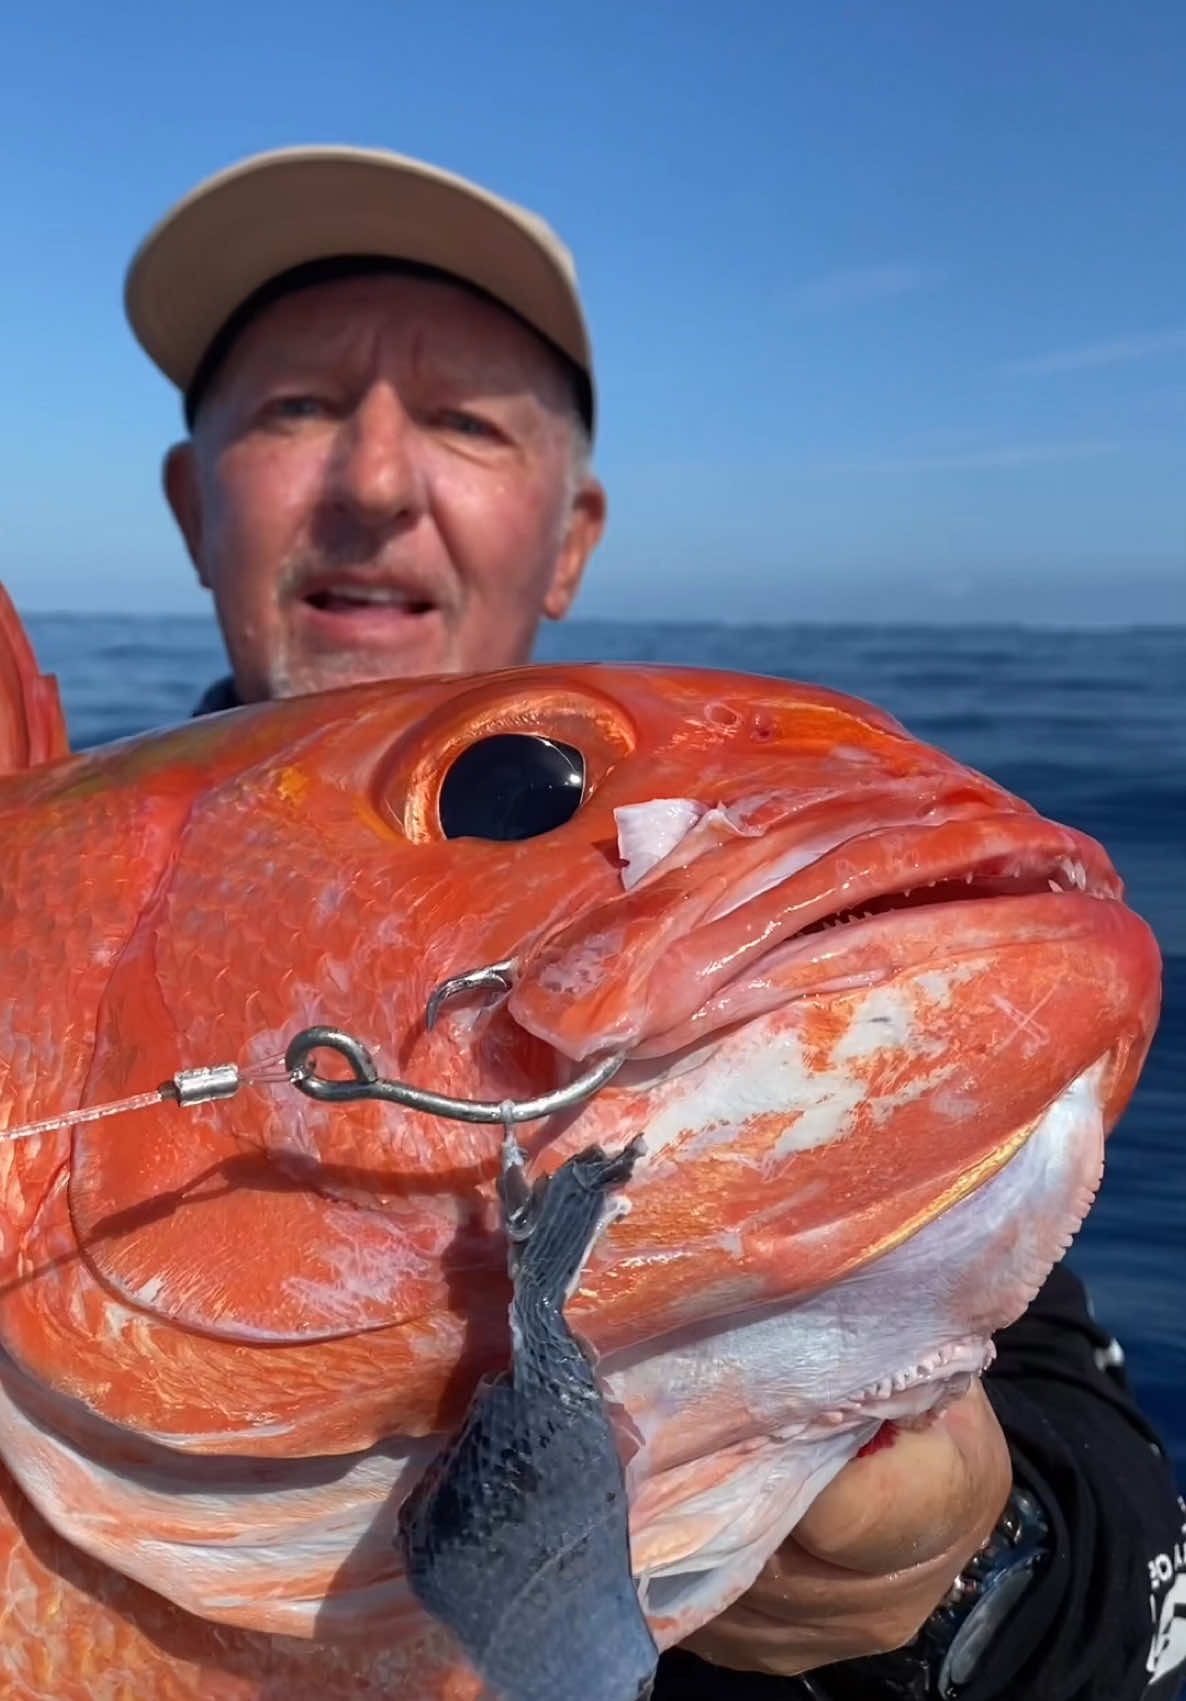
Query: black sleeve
[
  {"x": 1092, "y": 1629},
  {"x": 1107, "y": 1619}
]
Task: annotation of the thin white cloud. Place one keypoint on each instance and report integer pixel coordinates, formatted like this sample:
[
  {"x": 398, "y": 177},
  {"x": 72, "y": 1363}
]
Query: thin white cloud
[
  {"x": 860, "y": 284},
  {"x": 1113, "y": 353}
]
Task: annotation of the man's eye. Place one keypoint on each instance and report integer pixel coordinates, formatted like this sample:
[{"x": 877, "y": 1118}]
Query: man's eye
[
  {"x": 295, "y": 408},
  {"x": 465, "y": 424}
]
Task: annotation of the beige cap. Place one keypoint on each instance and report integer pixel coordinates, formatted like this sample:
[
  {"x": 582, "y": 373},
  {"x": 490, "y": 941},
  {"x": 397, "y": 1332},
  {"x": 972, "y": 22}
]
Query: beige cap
[{"x": 247, "y": 225}]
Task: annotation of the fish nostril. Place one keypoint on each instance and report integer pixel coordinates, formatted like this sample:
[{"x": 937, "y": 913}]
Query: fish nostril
[{"x": 721, "y": 715}]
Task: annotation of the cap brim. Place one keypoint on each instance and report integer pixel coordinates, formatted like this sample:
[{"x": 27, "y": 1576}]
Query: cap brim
[{"x": 240, "y": 229}]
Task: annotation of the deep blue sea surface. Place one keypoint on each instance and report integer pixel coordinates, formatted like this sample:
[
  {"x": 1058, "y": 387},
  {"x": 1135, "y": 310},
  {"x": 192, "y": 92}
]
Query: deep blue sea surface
[{"x": 1089, "y": 726}]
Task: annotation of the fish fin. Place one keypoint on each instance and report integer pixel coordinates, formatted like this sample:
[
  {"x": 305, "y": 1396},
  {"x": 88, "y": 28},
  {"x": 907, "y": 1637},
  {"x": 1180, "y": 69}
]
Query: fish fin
[{"x": 32, "y": 725}]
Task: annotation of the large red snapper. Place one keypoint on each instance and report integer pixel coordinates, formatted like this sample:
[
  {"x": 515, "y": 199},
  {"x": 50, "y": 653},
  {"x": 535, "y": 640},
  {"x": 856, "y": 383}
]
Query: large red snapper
[{"x": 877, "y": 1016}]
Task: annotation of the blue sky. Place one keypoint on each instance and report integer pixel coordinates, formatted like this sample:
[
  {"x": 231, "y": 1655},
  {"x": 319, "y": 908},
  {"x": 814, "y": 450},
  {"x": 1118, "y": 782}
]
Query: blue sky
[{"x": 889, "y": 300}]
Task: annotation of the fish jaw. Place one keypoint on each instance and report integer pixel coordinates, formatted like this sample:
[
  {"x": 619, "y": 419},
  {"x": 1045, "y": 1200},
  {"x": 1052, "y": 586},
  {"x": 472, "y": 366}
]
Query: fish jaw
[
  {"x": 801, "y": 1065},
  {"x": 789, "y": 1395},
  {"x": 791, "y": 1149}
]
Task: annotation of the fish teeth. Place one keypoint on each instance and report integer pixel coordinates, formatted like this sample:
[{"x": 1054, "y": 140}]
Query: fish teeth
[
  {"x": 1075, "y": 874},
  {"x": 897, "y": 1383}
]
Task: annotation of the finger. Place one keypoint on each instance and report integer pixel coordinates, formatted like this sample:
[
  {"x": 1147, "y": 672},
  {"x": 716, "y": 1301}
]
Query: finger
[{"x": 876, "y": 1555}]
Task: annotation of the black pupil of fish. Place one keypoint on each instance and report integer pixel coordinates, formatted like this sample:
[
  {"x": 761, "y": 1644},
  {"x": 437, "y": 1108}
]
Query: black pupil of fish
[{"x": 512, "y": 786}]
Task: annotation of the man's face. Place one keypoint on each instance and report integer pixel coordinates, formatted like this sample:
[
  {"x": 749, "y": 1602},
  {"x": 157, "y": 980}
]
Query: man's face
[{"x": 382, "y": 482}]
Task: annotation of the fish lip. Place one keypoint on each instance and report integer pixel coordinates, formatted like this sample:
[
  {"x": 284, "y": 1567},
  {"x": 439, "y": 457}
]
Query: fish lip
[
  {"x": 708, "y": 1022},
  {"x": 1053, "y": 874},
  {"x": 1061, "y": 855},
  {"x": 1054, "y": 877},
  {"x": 1052, "y": 861}
]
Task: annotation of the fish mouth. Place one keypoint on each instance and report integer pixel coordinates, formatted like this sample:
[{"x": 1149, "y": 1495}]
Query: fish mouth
[
  {"x": 937, "y": 914},
  {"x": 858, "y": 911}
]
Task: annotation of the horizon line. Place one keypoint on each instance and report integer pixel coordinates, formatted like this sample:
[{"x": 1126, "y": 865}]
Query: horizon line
[{"x": 714, "y": 623}]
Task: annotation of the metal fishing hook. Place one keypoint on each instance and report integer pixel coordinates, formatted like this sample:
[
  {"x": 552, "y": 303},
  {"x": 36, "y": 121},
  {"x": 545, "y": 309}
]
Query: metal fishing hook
[
  {"x": 500, "y": 975},
  {"x": 192, "y": 1087},
  {"x": 369, "y": 1084}
]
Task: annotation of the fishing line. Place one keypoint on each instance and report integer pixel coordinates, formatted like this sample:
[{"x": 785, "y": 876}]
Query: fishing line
[
  {"x": 187, "y": 1087},
  {"x": 295, "y": 1068}
]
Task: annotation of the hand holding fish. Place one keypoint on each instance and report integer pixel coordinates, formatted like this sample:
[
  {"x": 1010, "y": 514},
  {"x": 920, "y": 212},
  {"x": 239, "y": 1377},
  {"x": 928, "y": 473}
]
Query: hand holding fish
[{"x": 875, "y": 1554}]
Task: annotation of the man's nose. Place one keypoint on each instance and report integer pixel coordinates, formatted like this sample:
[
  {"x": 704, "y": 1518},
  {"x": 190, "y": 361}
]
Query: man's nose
[{"x": 375, "y": 471}]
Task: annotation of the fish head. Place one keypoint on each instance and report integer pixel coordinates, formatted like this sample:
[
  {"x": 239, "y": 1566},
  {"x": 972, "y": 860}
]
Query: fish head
[{"x": 846, "y": 976}]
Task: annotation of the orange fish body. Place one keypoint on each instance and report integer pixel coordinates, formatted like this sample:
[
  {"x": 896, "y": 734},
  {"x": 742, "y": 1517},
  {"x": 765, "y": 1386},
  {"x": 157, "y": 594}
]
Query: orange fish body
[{"x": 877, "y": 1016}]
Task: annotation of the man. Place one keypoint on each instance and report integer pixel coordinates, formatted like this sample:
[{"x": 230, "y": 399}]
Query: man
[
  {"x": 388, "y": 474},
  {"x": 389, "y": 389}
]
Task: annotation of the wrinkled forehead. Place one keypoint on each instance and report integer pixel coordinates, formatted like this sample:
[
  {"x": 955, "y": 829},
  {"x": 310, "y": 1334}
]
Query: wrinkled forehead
[{"x": 412, "y": 324}]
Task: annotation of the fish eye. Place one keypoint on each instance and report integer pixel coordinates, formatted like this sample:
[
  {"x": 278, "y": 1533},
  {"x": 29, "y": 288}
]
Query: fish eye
[{"x": 511, "y": 786}]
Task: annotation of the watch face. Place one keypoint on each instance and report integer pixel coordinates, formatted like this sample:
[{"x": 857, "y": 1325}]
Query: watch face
[
  {"x": 999, "y": 1594},
  {"x": 947, "y": 1652}
]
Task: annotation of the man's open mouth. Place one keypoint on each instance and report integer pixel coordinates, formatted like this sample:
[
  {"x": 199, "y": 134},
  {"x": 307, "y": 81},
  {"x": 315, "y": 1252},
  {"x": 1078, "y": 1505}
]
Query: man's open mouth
[{"x": 350, "y": 599}]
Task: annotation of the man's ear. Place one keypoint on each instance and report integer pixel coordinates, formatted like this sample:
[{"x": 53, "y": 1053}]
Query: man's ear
[
  {"x": 586, "y": 523},
  {"x": 179, "y": 475}
]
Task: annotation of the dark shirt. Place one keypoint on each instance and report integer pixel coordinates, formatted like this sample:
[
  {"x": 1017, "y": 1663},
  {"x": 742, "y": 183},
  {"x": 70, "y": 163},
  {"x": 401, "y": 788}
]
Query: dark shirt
[
  {"x": 1106, "y": 1619},
  {"x": 220, "y": 695}
]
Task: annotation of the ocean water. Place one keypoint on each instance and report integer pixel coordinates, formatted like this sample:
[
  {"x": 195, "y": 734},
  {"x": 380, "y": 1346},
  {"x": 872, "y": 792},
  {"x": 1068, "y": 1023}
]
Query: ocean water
[{"x": 1088, "y": 726}]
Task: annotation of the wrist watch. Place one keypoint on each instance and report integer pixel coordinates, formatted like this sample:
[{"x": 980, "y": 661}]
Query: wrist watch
[{"x": 944, "y": 1656}]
